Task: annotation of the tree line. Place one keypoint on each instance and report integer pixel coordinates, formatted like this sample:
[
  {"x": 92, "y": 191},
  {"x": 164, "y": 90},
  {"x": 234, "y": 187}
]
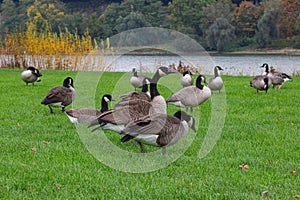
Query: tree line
[{"x": 221, "y": 25}]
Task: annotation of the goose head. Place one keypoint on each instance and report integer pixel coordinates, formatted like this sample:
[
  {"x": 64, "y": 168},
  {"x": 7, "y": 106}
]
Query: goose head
[
  {"x": 160, "y": 72},
  {"x": 266, "y": 66},
  {"x": 183, "y": 116},
  {"x": 218, "y": 68},
  {"x": 163, "y": 71},
  {"x": 187, "y": 72},
  {"x": 107, "y": 98},
  {"x": 68, "y": 82},
  {"x": 272, "y": 69},
  {"x": 134, "y": 72},
  {"x": 201, "y": 78},
  {"x": 35, "y": 71}
]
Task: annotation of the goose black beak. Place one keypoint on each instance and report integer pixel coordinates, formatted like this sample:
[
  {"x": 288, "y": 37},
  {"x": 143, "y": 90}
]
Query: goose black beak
[{"x": 194, "y": 129}]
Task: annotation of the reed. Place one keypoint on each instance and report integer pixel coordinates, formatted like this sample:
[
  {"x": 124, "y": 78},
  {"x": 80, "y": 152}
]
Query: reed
[{"x": 57, "y": 51}]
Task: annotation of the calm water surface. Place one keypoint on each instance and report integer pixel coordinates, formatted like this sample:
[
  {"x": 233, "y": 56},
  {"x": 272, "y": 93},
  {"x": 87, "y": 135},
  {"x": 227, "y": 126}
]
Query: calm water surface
[{"x": 233, "y": 65}]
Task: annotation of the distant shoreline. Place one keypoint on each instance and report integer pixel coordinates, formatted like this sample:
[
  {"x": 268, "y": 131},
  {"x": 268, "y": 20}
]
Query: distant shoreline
[{"x": 269, "y": 51}]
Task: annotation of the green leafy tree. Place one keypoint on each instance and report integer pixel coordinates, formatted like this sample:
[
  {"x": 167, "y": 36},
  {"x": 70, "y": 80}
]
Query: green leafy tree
[
  {"x": 134, "y": 12},
  {"x": 266, "y": 26},
  {"x": 186, "y": 16},
  {"x": 131, "y": 21},
  {"x": 9, "y": 16},
  {"x": 219, "y": 34},
  {"x": 43, "y": 15}
]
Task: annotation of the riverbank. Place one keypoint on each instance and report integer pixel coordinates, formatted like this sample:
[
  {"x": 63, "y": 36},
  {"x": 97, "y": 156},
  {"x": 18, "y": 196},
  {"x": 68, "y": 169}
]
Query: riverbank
[{"x": 265, "y": 51}]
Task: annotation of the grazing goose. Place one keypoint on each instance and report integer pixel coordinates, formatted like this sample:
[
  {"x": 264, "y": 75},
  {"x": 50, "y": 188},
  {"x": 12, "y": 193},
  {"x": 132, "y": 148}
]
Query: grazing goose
[
  {"x": 137, "y": 80},
  {"x": 261, "y": 82},
  {"x": 159, "y": 129},
  {"x": 31, "y": 75},
  {"x": 216, "y": 82},
  {"x": 134, "y": 108},
  {"x": 144, "y": 94},
  {"x": 88, "y": 115},
  {"x": 191, "y": 96},
  {"x": 187, "y": 79},
  {"x": 60, "y": 96}
]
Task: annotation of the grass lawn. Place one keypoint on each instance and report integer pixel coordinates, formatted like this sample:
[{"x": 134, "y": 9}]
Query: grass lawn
[{"x": 44, "y": 157}]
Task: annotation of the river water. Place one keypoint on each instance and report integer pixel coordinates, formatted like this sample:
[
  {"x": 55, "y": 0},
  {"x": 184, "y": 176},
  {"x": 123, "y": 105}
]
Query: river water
[{"x": 246, "y": 65}]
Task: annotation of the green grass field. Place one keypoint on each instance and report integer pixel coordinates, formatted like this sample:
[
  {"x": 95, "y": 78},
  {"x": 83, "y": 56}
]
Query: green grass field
[{"x": 44, "y": 157}]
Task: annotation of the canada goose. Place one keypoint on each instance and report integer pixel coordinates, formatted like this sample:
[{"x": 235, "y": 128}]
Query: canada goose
[
  {"x": 191, "y": 96},
  {"x": 216, "y": 82},
  {"x": 261, "y": 82},
  {"x": 137, "y": 79},
  {"x": 31, "y": 75},
  {"x": 88, "y": 114},
  {"x": 281, "y": 75},
  {"x": 277, "y": 78},
  {"x": 60, "y": 96},
  {"x": 144, "y": 94},
  {"x": 159, "y": 129},
  {"x": 187, "y": 79},
  {"x": 134, "y": 108}
]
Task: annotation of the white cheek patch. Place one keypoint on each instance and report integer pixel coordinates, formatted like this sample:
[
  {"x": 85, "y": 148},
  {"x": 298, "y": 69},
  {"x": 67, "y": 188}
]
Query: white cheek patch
[
  {"x": 106, "y": 99},
  {"x": 161, "y": 73},
  {"x": 191, "y": 122}
]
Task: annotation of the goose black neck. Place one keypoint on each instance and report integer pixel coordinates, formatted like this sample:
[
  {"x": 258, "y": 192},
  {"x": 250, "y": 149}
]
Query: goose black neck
[
  {"x": 104, "y": 105},
  {"x": 216, "y": 72},
  {"x": 155, "y": 77},
  {"x": 153, "y": 90},
  {"x": 145, "y": 88},
  {"x": 267, "y": 69},
  {"x": 198, "y": 83}
]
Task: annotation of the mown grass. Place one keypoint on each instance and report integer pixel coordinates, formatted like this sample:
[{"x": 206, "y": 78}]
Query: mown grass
[{"x": 43, "y": 157}]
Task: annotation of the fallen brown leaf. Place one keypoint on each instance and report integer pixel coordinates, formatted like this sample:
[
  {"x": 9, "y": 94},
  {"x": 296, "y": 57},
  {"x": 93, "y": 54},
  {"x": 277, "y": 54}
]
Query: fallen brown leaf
[
  {"x": 265, "y": 193},
  {"x": 46, "y": 142},
  {"x": 244, "y": 166},
  {"x": 293, "y": 172}
]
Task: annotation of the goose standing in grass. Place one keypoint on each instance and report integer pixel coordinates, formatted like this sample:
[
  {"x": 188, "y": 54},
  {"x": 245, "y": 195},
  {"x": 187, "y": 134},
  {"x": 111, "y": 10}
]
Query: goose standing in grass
[
  {"x": 191, "y": 96},
  {"x": 134, "y": 108},
  {"x": 277, "y": 78},
  {"x": 144, "y": 94},
  {"x": 261, "y": 82},
  {"x": 88, "y": 115},
  {"x": 280, "y": 75},
  {"x": 159, "y": 129},
  {"x": 187, "y": 79},
  {"x": 31, "y": 75},
  {"x": 60, "y": 96},
  {"x": 216, "y": 82},
  {"x": 137, "y": 79}
]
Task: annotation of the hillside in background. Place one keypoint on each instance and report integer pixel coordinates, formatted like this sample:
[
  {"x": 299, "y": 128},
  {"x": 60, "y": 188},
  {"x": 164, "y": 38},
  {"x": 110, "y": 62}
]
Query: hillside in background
[{"x": 225, "y": 25}]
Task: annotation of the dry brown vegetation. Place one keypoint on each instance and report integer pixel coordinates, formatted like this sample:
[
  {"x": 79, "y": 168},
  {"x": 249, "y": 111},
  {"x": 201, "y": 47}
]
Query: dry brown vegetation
[{"x": 62, "y": 51}]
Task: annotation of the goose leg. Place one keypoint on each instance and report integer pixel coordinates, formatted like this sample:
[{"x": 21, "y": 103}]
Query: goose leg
[
  {"x": 143, "y": 150},
  {"x": 51, "y": 111},
  {"x": 164, "y": 150},
  {"x": 63, "y": 109}
]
